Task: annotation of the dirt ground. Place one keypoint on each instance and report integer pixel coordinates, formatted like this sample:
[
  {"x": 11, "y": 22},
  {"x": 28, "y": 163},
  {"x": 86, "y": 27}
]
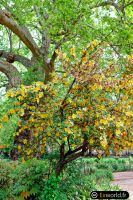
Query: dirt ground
[{"x": 125, "y": 181}]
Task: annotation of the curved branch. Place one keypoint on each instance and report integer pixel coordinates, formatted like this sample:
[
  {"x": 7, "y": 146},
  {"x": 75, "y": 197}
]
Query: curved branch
[
  {"x": 23, "y": 60},
  {"x": 106, "y": 3},
  {"x": 11, "y": 72},
  {"x": 22, "y": 32},
  {"x": 128, "y": 4}
]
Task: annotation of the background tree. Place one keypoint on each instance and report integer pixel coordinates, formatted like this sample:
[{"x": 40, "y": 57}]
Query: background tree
[{"x": 33, "y": 31}]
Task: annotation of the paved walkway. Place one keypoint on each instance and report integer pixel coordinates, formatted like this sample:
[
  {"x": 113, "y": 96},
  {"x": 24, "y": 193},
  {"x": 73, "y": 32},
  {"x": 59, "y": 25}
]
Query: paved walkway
[{"x": 125, "y": 181}]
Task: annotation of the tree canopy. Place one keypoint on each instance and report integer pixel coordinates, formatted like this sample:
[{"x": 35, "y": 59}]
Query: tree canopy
[{"x": 34, "y": 30}]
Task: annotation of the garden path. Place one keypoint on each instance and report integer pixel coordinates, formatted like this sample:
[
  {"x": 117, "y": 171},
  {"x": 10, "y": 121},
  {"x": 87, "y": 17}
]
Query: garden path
[{"x": 125, "y": 181}]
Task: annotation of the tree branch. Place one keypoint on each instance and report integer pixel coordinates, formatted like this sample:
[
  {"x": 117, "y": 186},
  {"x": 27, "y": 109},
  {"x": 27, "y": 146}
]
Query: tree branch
[
  {"x": 22, "y": 32},
  {"x": 23, "y": 60},
  {"x": 10, "y": 39},
  {"x": 73, "y": 151},
  {"x": 38, "y": 16},
  {"x": 11, "y": 72},
  {"x": 68, "y": 91},
  {"x": 71, "y": 155},
  {"x": 74, "y": 157},
  {"x": 128, "y": 4},
  {"x": 106, "y": 3}
]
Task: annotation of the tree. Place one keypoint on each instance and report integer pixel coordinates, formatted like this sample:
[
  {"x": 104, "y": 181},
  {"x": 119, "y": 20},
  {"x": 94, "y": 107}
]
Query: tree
[
  {"x": 41, "y": 27},
  {"x": 87, "y": 107},
  {"x": 95, "y": 113}
]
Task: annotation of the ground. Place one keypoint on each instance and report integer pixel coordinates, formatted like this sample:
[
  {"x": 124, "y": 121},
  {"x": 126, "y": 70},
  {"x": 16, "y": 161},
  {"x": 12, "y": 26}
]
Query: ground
[{"x": 125, "y": 181}]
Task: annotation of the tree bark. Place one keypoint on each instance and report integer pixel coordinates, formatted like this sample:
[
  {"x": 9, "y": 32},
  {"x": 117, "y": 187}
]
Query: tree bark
[
  {"x": 21, "y": 59},
  {"x": 22, "y": 32},
  {"x": 71, "y": 155},
  {"x": 11, "y": 72}
]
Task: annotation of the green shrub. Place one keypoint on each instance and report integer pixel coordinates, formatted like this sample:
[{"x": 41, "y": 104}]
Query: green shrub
[
  {"x": 6, "y": 182},
  {"x": 33, "y": 180},
  {"x": 30, "y": 177},
  {"x": 51, "y": 189},
  {"x": 103, "y": 174}
]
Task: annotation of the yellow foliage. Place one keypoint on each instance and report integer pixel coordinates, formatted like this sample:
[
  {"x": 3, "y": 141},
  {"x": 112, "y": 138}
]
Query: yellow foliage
[
  {"x": 5, "y": 119},
  {"x": 98, "y": 103},
  {"x": 25, "y": 195},
  {"x": 1, "y": 126},
  {"x": 25, "y": 141},
  {"x": 74, "y": 116},
  {"x": 118, "y": 131},
  {"x": 44, "y": 115}
]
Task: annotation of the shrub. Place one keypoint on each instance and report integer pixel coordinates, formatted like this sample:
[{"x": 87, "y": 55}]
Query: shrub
[
  {"x": 6, "y": 182},
  {"x": 30, "y": 178}
]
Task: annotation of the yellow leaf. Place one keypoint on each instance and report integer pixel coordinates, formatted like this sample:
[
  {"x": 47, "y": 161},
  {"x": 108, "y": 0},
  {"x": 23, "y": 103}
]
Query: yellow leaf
[
  {"x": 40, "y": 128},
  {"x": 23, "y": 160},
  {"x": 5, "y": 119},
  {"x": 118, "y": 131},
  {"x": 37, "y": 99},
  {"x": 24, "y": 105},
  {"x": 96, "y": 123},
  {"x": 129, "y": 113},
  {"x": 40, "y": 83},
  {"x": 99, "y": 155},
  {"x": 108, "y": 89},
  {"x": 104, "y": 121},
  {"x": 68, "y": 130},
  {"x": 40, "y": 95},
  {"x": 12, "y": 111},
  {"x": 11, "y": 94},
  {"x": 74, "y": 116},
  {"x": 64, "y": 55},
  {"x": 19, "y": 147},
  {"x": 65, "y": 139},
  {"x": 29, "y": 151},
  {"x": 21, "y": 112},
  {"x": 25, "y": 194},
  {"x": 44, "y": 115},
  {"x": 91, "y": 141},
  {"x": 25, "y": 141},
  {"x": 102, "y": 107},
  {"x": 36, "y": 134},
  {"x": 119, "y": 124},
  {"x": 42, "y": 151},
  {"x": 72, "y": 51},
  {"x": 84, "y": 59},
  {"x": 57, "y": 134},
  {"x": 103, "y": 143},
  {"x": 44, "y": 139},
  {"x": 17, "y": 133},
  {"x": 36, "y": 89},
  {"x": 57, "y": 51},
  {"x": 1, "y": 126},
  {"x": 32, "y": 119},
  {"x": 94, "y": 87},
  {"x": 18, "y": 103},
  {"x": 20, "y": 98}
]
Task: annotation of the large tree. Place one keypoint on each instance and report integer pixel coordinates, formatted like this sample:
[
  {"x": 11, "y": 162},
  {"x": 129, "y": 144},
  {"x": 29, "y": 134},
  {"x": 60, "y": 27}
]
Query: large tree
[
  {"x": 33, "y": 30},
  {"x": 93, "y": 110}
]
